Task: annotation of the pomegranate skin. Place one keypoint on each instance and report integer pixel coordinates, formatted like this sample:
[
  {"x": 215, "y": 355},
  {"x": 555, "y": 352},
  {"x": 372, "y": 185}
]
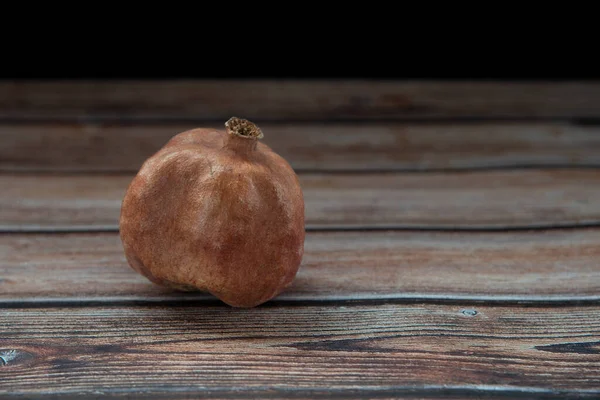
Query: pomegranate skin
[{"x": 216, "y": 211}]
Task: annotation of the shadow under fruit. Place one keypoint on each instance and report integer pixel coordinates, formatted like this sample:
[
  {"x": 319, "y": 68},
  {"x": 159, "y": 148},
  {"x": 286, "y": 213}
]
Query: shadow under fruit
[{"x": 216, "y": 211}]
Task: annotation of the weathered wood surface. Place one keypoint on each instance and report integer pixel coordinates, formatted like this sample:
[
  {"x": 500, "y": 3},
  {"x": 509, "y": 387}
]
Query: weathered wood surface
[
  {"x": 495, "y": 310},
  {"x": 480, "y": 199},
  {"x": 279, "y": 350},
  {"x": 550, "y": 266},
  {"x": 110, "y": 147},
  {"x": 296, "y": 99}
]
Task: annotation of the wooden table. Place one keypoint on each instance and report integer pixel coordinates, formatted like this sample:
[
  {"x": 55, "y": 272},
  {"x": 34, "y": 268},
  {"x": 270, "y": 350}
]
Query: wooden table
[{"x": 452, "y": 249}]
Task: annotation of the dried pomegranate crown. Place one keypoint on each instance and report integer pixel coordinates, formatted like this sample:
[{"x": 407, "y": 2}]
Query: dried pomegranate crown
[{"x": 244, "y": 128}]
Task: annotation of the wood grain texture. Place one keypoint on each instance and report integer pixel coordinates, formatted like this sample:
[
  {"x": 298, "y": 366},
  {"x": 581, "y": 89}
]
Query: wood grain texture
[
  {"x": 280, "y": 350},
  {"x": 296, "y": 99},
  {"x": 481, "y": 199},
  {"x": 510, "y": 266},
  {"x": 110, "y": 147}
]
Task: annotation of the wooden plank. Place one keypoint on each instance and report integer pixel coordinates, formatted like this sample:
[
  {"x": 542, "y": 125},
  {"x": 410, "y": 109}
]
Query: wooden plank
[
  {"x": 281, "y": 350},
  {"x": 550, "y": 266},
  {"x": 97, "y": 146},
  {"x": 297, "y": 99},
  {"x": 473, "y": 200}
]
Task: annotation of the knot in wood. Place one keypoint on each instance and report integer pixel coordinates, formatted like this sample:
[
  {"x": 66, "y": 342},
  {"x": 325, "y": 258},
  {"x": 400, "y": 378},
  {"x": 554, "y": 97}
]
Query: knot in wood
[{"x": 7, "y": 355}]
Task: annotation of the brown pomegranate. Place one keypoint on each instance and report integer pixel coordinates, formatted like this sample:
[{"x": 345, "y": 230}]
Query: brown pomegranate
[{"x": 216, "y": 211}]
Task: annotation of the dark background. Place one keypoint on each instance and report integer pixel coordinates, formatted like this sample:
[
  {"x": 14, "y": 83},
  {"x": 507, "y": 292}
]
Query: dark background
[
  {"x": 85, "y": 74},
  {"x": 470, "y": 64}
]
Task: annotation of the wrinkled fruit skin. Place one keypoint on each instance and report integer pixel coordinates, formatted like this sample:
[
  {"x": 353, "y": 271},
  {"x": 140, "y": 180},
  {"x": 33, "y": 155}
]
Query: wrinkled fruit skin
[{"x": 217, "y": 213}]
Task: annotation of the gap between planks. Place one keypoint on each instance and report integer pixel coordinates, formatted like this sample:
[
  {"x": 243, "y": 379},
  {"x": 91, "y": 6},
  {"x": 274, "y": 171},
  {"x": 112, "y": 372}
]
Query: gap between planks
[
  {"x": 420, "y": 392},
  {"x": 60, "y": 229},
  {"x": 206, "y": 300}
]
